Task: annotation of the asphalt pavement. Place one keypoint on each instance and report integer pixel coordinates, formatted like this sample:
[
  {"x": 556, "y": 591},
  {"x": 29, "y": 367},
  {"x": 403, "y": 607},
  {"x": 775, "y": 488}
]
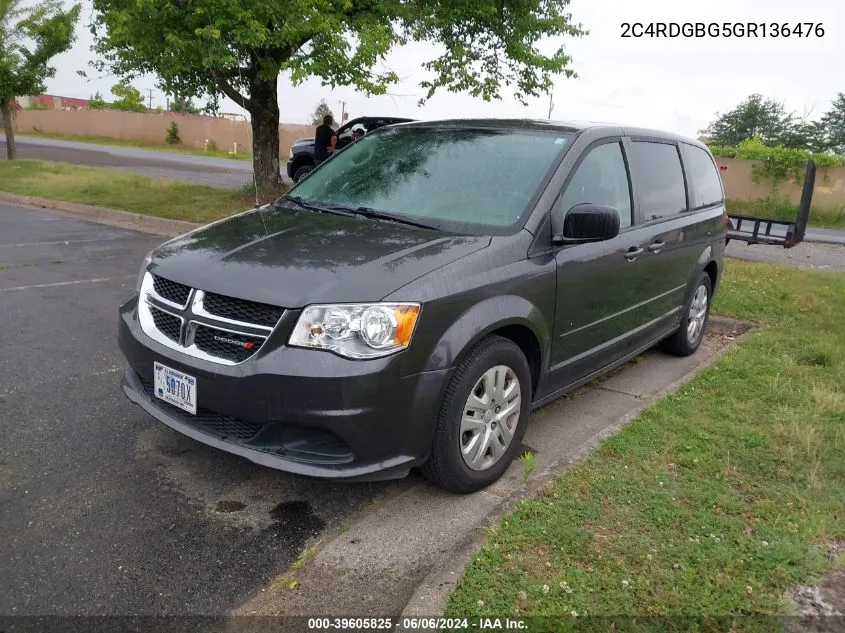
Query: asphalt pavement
[
  {"x": 104, "y": 511},
  {"x": 202, "y": 170},
  {"x": 810, "y": 255}
]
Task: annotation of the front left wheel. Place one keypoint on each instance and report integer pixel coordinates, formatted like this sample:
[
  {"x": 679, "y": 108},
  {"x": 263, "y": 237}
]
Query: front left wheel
[{"x": 482, "y": 418}]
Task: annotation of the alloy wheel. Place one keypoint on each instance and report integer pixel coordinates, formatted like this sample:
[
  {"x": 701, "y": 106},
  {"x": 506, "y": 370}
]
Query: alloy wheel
[{"x": 490, "y": 416}]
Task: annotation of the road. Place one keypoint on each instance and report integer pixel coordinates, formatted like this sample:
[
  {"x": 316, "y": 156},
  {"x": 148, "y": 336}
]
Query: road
[
  {"x": 203, "y": 170},
  {"x": 102, "y": 509},
  {"x": 810, "y": 255}
]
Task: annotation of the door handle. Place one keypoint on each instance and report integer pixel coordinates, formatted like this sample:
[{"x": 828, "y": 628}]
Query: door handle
[
  {"x": 656, "y": 247},
  {"x": 632, "y": 253}
]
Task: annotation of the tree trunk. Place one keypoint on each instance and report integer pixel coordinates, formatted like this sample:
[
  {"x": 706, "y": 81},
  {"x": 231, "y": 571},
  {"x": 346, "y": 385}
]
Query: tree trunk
[
  {"x": 6, "y": 112},
  {"x": 264, "y": 108}
]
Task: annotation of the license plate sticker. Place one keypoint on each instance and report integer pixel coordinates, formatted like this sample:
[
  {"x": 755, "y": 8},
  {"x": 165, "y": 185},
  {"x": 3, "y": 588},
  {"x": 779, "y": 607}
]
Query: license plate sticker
[{"x": 175, "y": 388}]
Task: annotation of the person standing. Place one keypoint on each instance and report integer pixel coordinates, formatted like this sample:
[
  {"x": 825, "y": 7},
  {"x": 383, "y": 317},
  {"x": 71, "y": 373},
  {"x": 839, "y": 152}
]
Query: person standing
[{"x": 325, "y": 140}]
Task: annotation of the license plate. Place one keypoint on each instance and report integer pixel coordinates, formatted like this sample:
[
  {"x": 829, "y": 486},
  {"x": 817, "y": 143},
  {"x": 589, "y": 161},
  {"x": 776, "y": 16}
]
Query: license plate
[{"x": 175, "y": 388}]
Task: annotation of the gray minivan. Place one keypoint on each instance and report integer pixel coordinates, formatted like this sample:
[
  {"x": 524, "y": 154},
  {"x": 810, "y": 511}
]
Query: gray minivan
[{"x": 411, "y": 300}]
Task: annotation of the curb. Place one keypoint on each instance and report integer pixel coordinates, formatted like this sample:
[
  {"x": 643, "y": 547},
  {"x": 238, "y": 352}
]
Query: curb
[{"x": 113, "y": 217}]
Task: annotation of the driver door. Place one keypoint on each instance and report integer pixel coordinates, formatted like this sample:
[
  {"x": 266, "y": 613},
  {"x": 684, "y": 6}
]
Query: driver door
[{"x": 599, "y": 284}]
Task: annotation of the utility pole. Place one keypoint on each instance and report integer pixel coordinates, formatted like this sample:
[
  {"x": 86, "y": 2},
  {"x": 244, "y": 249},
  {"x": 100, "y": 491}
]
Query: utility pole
[
  {"x": 342, "y": 111},
  {"x": 551, "y": 105},
  {"x": 150, "y": 90}
]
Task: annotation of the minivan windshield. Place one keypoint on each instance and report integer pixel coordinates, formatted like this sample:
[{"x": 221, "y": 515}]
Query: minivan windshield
[{"x": 469, "y": 180}]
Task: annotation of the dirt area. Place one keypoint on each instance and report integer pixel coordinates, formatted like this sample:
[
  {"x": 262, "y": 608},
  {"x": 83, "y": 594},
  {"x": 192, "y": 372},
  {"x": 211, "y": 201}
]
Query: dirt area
[{"x": 821, "y": 607}]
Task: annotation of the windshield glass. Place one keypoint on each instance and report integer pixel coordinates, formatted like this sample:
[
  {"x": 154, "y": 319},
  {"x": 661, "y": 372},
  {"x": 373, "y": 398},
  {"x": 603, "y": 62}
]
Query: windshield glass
[{"x": 472, "y": 180}]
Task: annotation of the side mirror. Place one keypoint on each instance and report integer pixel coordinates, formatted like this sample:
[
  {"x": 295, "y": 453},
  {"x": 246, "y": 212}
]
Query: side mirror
[{"x": 583, "y": 223}]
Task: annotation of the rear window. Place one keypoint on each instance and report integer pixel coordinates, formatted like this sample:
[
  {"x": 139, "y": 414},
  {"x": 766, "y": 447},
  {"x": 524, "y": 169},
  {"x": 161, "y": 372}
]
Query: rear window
[
  {"x": 703, "y": 175},
  {"x": 660, "y": 179}
]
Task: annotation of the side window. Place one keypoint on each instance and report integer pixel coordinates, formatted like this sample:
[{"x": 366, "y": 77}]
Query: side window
[
  {"x": 660, "y": 179},
  {"x": 601, "y": 178},
  {"x": 702, "y": 173}
]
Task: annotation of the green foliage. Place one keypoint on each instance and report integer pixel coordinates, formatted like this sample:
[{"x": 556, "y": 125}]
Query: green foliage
[
  {"x": 238, "y": 48},
  {"x": 755, "y": 116},
  {"x": 767, "y": 120},
  {"x": 128, "y": 98},
  {"x": 31, "y": 35},
  {"x": 833, "y": 123},
  {"x": 184, "y": 105},
  {"x": 778, "y": 163},
  {"x": 321, "y": 111},
  {"x": 528, "y": 465},
  {"x": 172, "y": 136},
  {"x": 97, "y": 102},
  {"x": 211, "y": 145}
]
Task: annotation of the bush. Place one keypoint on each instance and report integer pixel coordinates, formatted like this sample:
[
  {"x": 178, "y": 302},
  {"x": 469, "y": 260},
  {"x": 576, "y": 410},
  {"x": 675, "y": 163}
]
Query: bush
[
  {"x": 777, "y": 163},
  {"x": 210, "y": 145},
  {"x": 172, "y": 137}
]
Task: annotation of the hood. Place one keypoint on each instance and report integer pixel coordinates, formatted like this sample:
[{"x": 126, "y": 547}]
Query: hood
[
  {"x": 303, "y": 141},
  {"x": 294, "y": 258}
]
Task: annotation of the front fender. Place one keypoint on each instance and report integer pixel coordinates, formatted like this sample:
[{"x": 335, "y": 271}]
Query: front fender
[{"x": 482, "y": 319}]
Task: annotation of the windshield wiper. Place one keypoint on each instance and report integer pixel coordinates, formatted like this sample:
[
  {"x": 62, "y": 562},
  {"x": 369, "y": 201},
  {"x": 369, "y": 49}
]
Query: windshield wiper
[
  {"x": 317, "y": 208},
  {"x": 375, "y": 214}
]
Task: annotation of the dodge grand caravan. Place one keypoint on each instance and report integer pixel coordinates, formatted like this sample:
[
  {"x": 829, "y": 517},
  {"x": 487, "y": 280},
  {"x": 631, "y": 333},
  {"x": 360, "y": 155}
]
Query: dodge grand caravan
[{"x": 413, "y": 299}]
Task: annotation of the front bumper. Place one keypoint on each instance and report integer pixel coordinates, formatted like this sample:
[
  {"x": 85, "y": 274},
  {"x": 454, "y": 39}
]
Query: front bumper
[
  {"x": 303, "y": 411},
  {"x": 290, "y": 168}
]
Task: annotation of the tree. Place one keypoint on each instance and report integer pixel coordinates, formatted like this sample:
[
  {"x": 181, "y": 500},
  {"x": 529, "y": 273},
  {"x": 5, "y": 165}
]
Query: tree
[
  {"x": 128, "y": 98},
  {"x": 238, "y": 48},
  {"x": 97, "y": 102},
  {"x": 755, "y": 116},
  {"x": 185, "y": 106},
  {"x": 172, "y": 136},
  {"x": 31, "y": 35},
  {"x": 833, "y": 122},
  {"x": 322, "y": 110}
]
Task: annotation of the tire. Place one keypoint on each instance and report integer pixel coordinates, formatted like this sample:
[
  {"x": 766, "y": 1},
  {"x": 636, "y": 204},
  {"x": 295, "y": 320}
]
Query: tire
[
  {"x": 683, "y": 342},
  {"x": 490, "y": 360},
  {"x": 301, "y": 172}
]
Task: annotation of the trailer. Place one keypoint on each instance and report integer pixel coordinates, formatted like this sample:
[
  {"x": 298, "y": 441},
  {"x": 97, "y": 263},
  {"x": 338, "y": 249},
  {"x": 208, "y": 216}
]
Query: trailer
[{"x": 755, "y": 230}]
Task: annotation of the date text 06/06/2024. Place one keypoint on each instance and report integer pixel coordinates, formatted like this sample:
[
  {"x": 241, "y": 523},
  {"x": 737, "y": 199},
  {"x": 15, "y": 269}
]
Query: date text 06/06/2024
[
  {"x": 415, "y": 623},
  {"x": 724, "y": 29}
]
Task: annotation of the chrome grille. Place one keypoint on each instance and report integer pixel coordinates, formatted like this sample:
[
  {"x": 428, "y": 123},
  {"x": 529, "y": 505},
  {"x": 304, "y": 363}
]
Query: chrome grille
[
  {"x": 167, "y": 324},
  {"x": 240, "y": 310},
  {"x": 171, "y": 291},
  {"x": 213, "y": 327}
]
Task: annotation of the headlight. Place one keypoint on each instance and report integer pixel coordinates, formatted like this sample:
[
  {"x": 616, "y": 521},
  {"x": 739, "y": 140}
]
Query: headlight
[
  {"x": 358, "y": 330},
  {"x": 143, "y": 270},
  {"x": 290, "y": 153}
]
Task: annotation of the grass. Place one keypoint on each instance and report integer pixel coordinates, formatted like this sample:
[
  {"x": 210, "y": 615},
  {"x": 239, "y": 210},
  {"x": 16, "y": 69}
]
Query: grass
[
  {"x": 712, "y": 502},
  {"x": 528, "y": 465},
  {"x": 785, "y": 210},
  {"x": 159, "y": 147},
  {"x": 121, "y": 190}
]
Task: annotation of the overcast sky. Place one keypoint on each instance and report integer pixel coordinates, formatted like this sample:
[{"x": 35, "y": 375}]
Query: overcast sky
[{"x": 674, "y": 84}]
